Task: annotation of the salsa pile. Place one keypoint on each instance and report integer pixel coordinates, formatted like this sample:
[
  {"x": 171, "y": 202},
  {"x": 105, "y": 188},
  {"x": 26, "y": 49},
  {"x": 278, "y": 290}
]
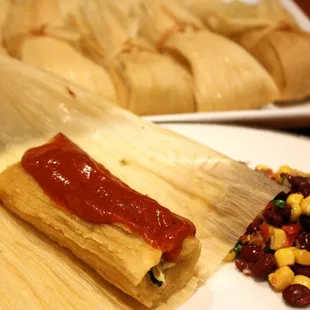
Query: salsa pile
[{"x": 276, "y": 245}]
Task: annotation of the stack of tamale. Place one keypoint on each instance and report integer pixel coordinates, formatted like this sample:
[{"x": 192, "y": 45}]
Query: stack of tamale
[{"x": 170, "y": 51}]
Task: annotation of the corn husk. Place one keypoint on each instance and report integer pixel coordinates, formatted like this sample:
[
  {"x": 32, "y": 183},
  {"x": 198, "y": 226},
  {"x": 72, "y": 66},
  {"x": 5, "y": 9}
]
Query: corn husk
[
  {"x": 61, "y": 59},
  {"x": 269, "y": 33},
  {"x": 5, "y": 6},
  {"x": 226, "y": 77},
  {"x": 29, "y": 17},
  {"x": 219, "y": 195},
  {"x": 108, "y": 32},
  {"x": 283, "y": 50},
  {"x": 231, "y": 17}
]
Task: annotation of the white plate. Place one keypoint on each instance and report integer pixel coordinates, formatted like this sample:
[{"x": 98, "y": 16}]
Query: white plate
[
  {"x": 228, "y": 288},
  {"x": 271, "y": 115}
]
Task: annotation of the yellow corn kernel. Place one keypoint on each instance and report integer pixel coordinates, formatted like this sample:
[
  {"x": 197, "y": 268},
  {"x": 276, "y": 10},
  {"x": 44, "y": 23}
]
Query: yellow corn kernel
[
  {"x": 278, "y": 239},
  {"x": 302, "y": 257},
  {"x": 230, "y": 256},
  {"x": 284, "y": 169},
  {"x": 285, "y": 257},
  {"x": 305, "y": 206},
  {"x": 261, "y": 167},
  {"x": 294, "y": 198},
  {"x": 303, "y": 280},
  {"x": 270, "y": 229},
  {"x": 295, "y": 212},
  {"x": 281, "y": 278}
]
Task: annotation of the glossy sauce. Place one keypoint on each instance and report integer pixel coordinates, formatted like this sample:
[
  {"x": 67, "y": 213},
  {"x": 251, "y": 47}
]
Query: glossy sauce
[{"x": 79, "y": 184}]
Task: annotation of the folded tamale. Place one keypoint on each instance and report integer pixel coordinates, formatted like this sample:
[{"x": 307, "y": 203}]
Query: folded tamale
[
  {"x": 61, "y": 59},
  {"x": 226, "y": 77},
  {"x": 270, "y": 33},
  {"x": 283, "y": 50},
  {"x": 107, "y": 224},
  {"x": 110, "y": 30}
]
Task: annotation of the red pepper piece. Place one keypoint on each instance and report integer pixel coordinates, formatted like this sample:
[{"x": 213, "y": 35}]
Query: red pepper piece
[{"x": 265, "y": 231}]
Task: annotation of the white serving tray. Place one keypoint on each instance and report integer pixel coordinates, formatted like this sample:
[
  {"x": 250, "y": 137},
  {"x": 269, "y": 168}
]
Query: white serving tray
[{"x": 296, "y": 115}]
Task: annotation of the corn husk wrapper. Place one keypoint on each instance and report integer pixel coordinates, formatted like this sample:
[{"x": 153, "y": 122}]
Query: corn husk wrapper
[
  {"x": 232, "y": 17},
  {"x": 226, "y": 77},
  {"x": 109, "y": 33},
  {"x": 61, "y": 59},
  {"x": 29, "y": 17},
  {"x": 283, "y": 50},
  {"x": 219, "y": 195},
  {"x": 5, "y": 6},
  {"x": 269, "y": 33}
]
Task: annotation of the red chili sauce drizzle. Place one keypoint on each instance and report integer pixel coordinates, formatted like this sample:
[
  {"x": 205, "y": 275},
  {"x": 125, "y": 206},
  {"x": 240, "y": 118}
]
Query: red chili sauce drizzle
[{"x": 78, "y": 183}]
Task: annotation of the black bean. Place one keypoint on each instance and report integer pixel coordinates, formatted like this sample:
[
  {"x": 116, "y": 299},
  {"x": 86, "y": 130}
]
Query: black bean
[
  {"x": 285, "y": 213},
  {"x": 296, "y": 295},
  {"x": 301, "y": 270},
  {"x": 299, "y": 184},
  {"x": 251, "y": 253},
  {"x": 264, "y": 266},
  {"x": 273, "y": 218},
  {"x": 253, "y": 228},
  {"x": 241, "y": 264},
  {"x": 303, "y": 241},
  {"x": 305, "y": 222}
]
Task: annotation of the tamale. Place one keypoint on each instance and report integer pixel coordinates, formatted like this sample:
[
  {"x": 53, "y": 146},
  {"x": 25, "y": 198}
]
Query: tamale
[
  {"x": 135, "y": 66},
  {"x": 270, "y": 33},
  {"x": 61, "y": 59},
  {"x": 208, "y": 188},
  {"x": 226, "y": 77},
  {"x": 282, "y": 50},
  {"x": 31, "y": 17},
  {"x": 110, "y": 248}
]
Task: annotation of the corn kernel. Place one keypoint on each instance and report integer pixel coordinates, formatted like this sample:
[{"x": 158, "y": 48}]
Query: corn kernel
[
  {"x": 261, "y": 167},
  {"x": 230, "y": 256},
  {"x": 281, "y": 278},
  {"x": 284, "y": 257},
  {"x": 303, "y": 280},
  {"x": 302, "y": 257},
  {"x": 284, "y": 169},
  {"x": 305, "y": 206},
  {"x": 278, "y": 239},
  {"x": 294, "y": 198},
  {"x": 295, "y": 212}
]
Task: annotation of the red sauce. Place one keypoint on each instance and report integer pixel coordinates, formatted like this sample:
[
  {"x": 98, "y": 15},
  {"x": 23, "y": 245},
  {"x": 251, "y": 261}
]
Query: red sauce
[
  {"x": 304, "y": 5},
  {"x": 77, "y": 182}
]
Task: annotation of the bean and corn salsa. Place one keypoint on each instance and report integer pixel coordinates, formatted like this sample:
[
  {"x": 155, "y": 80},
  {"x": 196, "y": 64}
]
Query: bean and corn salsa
[{"x": 276, "y": 245}]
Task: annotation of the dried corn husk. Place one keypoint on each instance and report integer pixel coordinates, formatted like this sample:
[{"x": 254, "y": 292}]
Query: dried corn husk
[
  {"x": 230, "y": 17},
  {"x": 5, "y": 6},
  {"x": 269, "y": 33},
  {"x": 61, "y": 59},
  {"x": 226, "y": 77},
  {"x": 111, "y": 23}
]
